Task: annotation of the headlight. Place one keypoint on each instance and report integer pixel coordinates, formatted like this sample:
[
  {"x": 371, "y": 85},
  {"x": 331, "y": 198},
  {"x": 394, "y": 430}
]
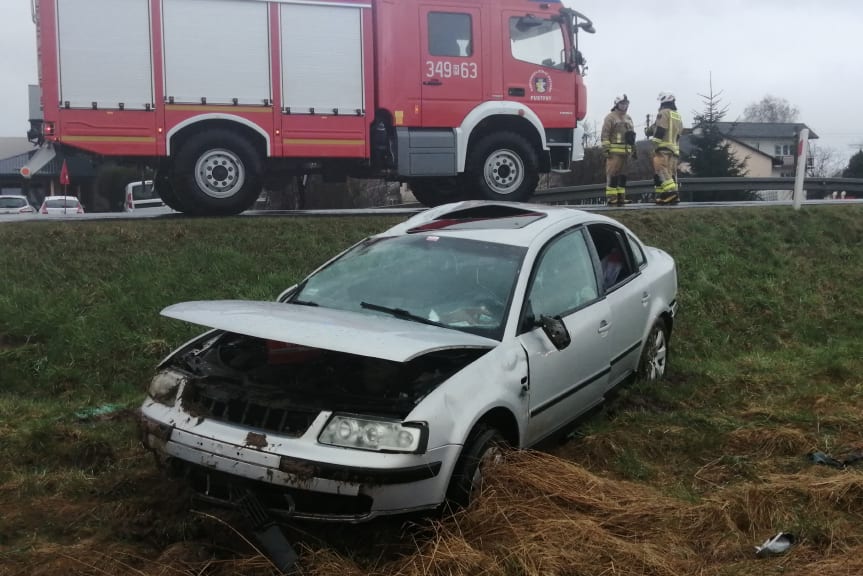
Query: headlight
[
  {"x": 163, "y": 387},
  {"x": 374, "y": 434}
]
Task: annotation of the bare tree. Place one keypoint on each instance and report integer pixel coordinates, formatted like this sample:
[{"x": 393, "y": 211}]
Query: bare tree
[
  {"x": 826, "y": 162},
  {"x": 771, "y": 109}
]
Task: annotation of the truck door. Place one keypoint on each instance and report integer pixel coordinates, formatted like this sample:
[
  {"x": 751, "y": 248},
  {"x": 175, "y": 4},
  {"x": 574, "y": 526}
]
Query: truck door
[
  {"x": 451, "y": 63},
  {"x": 534, "y": 66}
]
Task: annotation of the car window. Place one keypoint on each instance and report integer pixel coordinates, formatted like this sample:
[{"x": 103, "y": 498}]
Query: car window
[
  {"x": 144, "y": 192},
  {"x": 12, "y": 202},
  {"x": 564, "y": 278},
  {"x": 61, "y": 203},
  {"x": 450, "y": 34},
  {"x": 458, "y": 283},
  {"x": 614, "y": 254},
  {"x": 637, "y": 252}
]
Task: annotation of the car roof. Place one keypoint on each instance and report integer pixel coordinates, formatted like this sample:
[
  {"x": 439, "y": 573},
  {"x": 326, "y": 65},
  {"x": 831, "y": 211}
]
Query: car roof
[
  {"x": 61, "y": 197},
  {"x": 513, "y": 223},
  {"x": 13, "y": 196}
]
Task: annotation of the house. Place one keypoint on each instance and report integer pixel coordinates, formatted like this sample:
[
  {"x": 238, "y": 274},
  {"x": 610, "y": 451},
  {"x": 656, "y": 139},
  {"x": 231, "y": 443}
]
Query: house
[
  {"x": 758, "y": 142},
  {"x": 16, "y": 152}
]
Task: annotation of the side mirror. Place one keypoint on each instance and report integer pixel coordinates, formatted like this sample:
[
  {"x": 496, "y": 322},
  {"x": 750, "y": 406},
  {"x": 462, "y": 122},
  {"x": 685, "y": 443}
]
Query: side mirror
[{"x": 555, "y": 329}]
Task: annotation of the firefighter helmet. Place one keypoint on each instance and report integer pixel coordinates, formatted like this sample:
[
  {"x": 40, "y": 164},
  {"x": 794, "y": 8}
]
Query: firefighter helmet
[
  {"x": 665, "y": 97},
  {"x": 620, "y": 99}
]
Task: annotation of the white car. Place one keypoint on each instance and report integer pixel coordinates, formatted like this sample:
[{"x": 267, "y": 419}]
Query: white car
[
  {"x": 61, "y": 206},
  {"x": 141, "y": 194},
  {"x": 379, "y": 383},
  {"x": 10, "y": 204}
]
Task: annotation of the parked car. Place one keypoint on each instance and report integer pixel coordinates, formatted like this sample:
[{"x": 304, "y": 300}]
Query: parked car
[
  {"x": 10, "y": 204},
  {"x": 381, "y": 382},
  {"x": 141, "y": 194},
  {"x": 61, "y": 205}
]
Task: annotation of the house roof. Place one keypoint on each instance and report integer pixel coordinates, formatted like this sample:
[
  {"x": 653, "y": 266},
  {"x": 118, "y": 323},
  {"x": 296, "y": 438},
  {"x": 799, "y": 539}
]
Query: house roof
[
  {"x": 13, "y": 146},
  {"x": 763, "y": 130}
]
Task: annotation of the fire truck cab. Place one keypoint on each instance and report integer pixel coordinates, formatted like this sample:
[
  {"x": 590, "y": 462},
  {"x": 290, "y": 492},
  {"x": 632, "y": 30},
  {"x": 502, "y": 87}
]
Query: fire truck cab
[{"x": 460, "y": 99}]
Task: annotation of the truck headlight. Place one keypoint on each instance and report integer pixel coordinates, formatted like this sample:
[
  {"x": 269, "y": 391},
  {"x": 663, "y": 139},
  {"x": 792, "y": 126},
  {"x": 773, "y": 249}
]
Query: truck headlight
[
  {"x": 164, "y": 385},
  {"x": 375, "y": 434}
]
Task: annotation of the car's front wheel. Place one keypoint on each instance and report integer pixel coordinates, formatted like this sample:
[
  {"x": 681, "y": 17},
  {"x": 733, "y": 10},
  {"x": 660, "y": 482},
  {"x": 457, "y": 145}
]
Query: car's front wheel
[
  {"x": 654, "y": 356},
  {"x": 482, "y": 450}
]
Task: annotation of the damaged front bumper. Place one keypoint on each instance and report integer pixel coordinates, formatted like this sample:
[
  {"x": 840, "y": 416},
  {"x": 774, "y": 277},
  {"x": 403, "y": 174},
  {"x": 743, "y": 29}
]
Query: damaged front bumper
[{"x": 294, "y": 477}]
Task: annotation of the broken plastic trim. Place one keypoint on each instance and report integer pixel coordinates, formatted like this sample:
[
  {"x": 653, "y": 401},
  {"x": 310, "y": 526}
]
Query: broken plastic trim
[{"x": 311, "y": 469}]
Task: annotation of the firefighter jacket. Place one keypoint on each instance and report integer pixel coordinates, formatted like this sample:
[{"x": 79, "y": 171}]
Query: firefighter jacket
[
  {"x": 618, "y": 135},
  {"x": 665, "y": 132}
]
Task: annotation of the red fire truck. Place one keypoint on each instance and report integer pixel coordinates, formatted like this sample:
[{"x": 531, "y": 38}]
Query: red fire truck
[{"x": 459, "y": 98}]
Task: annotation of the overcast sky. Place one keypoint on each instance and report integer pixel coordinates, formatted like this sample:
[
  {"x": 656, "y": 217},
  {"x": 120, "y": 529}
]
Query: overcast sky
[{"x": 805, "y": 51}]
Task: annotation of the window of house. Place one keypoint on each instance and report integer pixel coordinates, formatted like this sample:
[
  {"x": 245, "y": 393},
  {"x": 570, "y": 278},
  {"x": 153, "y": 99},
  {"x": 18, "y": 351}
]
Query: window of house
[
  {"x": 786, "y": 150},
  {"x": 778, "y": 150},
  {"x": 450, "y": 34}
]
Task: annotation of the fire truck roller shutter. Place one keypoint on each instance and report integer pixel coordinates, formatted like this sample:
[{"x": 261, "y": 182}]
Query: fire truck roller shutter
[{"x": 217, "y": 172}]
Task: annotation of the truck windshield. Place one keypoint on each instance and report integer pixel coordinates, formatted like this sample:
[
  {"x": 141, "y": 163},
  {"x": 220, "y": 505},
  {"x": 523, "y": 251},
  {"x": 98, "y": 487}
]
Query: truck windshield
[{"x": 538, "y": 41}]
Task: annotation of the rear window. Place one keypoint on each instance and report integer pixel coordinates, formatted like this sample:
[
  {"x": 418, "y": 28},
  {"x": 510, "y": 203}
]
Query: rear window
[
  {"x": 144, "y": 192},
  {"x": 12, "y": 202},
  {"x": 61, "y": 203}
]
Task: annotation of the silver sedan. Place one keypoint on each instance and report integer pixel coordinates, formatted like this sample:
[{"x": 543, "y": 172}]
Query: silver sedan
[{"x": 384, "y": 381}]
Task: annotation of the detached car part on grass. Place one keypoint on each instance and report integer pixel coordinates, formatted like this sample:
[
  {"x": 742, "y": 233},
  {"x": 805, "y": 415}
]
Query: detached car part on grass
[{"x": 382, "y": 382}]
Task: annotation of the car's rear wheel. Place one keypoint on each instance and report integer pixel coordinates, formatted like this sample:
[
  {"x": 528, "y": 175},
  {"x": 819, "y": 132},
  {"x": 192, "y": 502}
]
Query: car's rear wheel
[
  {"x": 653, "y": 364},
  {"x": 217, "y": 172},
  {"x": 433, "y": 192},
  {"x": 503, "y": 166},
  {"x": 482, "y": 450}
]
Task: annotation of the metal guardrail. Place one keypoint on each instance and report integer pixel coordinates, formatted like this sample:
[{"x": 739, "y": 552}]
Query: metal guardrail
[{"x": 695, "y": 186}]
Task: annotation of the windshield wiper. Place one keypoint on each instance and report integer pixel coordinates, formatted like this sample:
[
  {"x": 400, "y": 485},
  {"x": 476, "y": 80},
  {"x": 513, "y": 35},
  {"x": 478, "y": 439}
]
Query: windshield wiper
[
  {"x": 303, "y": 302},
  {"x": 400, "y": 313}
]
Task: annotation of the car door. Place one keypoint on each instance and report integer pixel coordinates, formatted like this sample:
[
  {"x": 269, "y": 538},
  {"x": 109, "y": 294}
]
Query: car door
[
  {"x": 567, "y": 382},
  {"x": 451, "y": 63},
  {"x": 628, "y": 296}
]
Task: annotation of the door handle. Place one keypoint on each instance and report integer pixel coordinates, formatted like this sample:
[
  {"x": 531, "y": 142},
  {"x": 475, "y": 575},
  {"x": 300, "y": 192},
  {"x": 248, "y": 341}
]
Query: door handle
[
  {"x": 515, "y": 91},
  {"x": 645, "y": 297},
  {"x": 433, "y": 82},
  {"x": 604, "y": 327}
]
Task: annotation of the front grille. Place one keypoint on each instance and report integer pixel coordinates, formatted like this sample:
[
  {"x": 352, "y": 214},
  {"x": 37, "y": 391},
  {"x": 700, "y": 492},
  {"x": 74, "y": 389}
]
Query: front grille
[
  {"x": 231, "y": 405},
  {"x": 219, "y": 487}
]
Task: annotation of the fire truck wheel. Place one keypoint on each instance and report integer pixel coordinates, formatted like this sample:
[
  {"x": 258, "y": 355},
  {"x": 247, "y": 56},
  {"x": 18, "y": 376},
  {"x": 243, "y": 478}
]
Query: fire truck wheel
[
  {"x": 433, "y": 192},
  {"x": 503, "y": 166},
  {"x": 217, "y": 172},
  {"x": 166, "y": 192}
]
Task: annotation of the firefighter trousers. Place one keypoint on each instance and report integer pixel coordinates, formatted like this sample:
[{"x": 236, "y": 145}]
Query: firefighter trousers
[
  {"x": 665, "y": 169},
  {"x": 615, "y": 177}
]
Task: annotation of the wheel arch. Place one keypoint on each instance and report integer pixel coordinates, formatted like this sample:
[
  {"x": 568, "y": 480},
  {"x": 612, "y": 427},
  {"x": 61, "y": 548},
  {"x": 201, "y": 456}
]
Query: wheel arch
[
  {"x": 502, "y": 420},
  {"x": 490, "y": 117},
  {"x": 189, "y": 127}
]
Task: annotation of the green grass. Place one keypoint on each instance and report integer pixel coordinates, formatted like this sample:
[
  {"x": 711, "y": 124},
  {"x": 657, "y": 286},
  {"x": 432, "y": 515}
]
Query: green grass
[{"x": 768, "y": 342}]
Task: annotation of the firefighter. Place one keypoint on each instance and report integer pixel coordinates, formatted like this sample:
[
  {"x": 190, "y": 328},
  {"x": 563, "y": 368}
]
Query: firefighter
[
  {"x": 618, "y": 144},
  {"x": 665, "y": 135}
]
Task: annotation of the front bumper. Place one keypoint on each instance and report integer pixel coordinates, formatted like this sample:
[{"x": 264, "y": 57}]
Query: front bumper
[{"x": 294, "y": 477}]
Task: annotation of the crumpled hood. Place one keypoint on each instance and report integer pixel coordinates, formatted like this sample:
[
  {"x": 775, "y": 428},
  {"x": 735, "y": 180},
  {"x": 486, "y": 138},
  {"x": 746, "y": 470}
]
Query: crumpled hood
[{"x": 336, "y": 330}]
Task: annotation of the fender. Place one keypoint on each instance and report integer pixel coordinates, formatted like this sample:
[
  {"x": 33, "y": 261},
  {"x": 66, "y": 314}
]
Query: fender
[
  {"x": 215, "y": 116},
  {"x": 483, "y": 111}
]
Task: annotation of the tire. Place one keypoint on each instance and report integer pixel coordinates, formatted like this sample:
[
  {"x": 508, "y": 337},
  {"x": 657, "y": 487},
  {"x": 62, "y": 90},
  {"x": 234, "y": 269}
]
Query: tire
[
  {"x": 483, "y": 444},
  {"x": 433, "y": 192},
  {"x": 217, "y": 172},
  {"x": 503, "y": 166},
  {"x": 166, "y": 192},
  {"x": 653, "y": 364}
]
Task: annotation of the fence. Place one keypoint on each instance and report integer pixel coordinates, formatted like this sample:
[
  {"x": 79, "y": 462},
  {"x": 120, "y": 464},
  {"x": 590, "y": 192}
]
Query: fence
[{"x": 692, "y": 187}]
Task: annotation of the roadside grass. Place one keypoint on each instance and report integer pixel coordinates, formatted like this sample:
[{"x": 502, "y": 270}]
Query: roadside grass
[{"x": 678, "y": 479}]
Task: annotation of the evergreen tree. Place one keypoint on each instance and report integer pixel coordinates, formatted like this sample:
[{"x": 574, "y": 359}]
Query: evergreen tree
[
  {"x": 855, "y": 166},
  {"x": 711, "y": 155}
]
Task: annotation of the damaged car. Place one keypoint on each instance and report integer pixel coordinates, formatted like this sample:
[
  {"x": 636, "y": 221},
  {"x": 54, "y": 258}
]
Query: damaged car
[{"x": 384, "y": 382}]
